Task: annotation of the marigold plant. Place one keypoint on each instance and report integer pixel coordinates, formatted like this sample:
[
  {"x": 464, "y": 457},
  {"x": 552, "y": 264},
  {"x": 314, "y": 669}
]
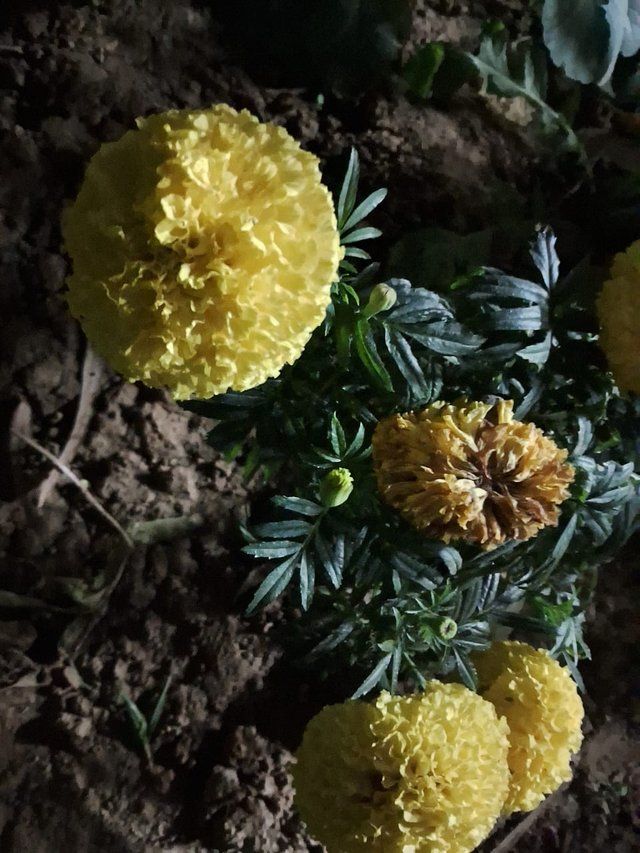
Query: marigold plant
[
  {"x": 425, "y": 773},
  {"x": 540, "y": 702},
  {"x": 204, "y": 246},
  {"x": 619, "y": 313},
  {"x": 470, "y": 471}
]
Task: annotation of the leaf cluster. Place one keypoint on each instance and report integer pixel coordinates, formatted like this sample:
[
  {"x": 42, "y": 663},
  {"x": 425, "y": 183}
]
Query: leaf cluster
[{"x": 370, "y": 593}]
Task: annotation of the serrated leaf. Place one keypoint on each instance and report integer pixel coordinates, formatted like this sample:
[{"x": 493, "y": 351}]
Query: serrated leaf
[
  {"x": 331, "y": 557},
  {"x": 530, "y": 318},
  {"x": 307, "y": 580},
  {"x": 274, "y": 583},
  {"x": 416, "y": 570},
  {"x": 466, "y": 670},
  {"x": 446, "y": 338},
  {"x": 529, "y": 400},
  {"x": 357, "y": 442},
  {"x": 373, "y": 678},
  {"x": 295, "y": 504},
  {"x": 271, "y": 550},
  {"x": 337, "y": 437},
  {"x": 279, "y": 529},
  {"x": 517, "y": 76},
  {"x": 545, "y": 257},
  {"x": 585, "y": 436},
  {"x": 331, "y": 641},
  {"x": 539, "y": 352},
  {"x": 451, "y": 558},
  {"x": 406, "y": 362},
  {"x": 495, "y": 283}
]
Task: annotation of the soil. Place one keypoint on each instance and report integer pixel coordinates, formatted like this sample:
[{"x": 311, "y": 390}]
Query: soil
[{"x": 83, "y": 627}]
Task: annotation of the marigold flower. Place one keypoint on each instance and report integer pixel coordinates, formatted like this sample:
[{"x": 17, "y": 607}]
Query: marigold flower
[
  {"x": 471, "y": 472},
  {"x": 619, "y": 313},
  {"x": 540, "y": 702},
  {"x": 423, "y": 773},
  {"x": 204, "y": 246}
]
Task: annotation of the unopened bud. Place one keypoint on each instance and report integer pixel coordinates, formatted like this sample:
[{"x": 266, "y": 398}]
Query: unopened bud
[
  {"x": 381, "y": 299},
  {"x": 448, "y": 628},
  {"x": 336, "y": 487}
]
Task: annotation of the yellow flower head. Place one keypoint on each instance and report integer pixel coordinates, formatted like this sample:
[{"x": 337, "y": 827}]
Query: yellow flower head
[
  {"x": 470, "y": 472},
  {"x": 619, "y": 313},
  {"x": 540, "y": 702},
  {"x": 425, "y": 773},
  {"x": 204, "y": 246}
]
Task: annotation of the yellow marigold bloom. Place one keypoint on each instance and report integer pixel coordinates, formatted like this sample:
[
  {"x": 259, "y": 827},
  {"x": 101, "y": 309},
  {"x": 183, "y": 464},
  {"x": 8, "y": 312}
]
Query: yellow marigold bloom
[
  {"x": 619, "y": 313},
  {"x": 425, "y": 773},
  {"x": 204, "y": 246},
  {"x": 471, "y": 472},
  {"x": 540, "y": 702}
]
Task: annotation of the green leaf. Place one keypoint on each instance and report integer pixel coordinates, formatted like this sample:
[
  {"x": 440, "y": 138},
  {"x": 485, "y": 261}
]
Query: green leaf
[
  {"x": 364, "y": 209},
  {"x": 539, "y": 352},
  {"x": 406, "y": 362},
  {"x": 447, "y": 338},
  {"x": 331, "y": 557},
  {"x": 359, "y": 234},
  {"x": 631, "y": 38},
  {"x": 300, "y": 505},
  {"x": 349, "y": 191},
  {"x": 274, "y": 584},
  {"x": 466, "y": 669},
  {"x": 138, "y": 721},
  {"x": 584, "y": 37},
  {"x": 357, "y": 442},
  {"x": 420, "y": 70},
  {"x": 278, "y": 529},
  {"x": 531, "y": 318},
  {"x": 518, "y": 75},
  {"x": 545, "y": 257},
  {"x": 495, "y": 283},
  {"x": 271, "y": 550},
  {"x": 331, "y": 641},
  {"x": 337, "y": 437},
  {"x": 374, "y": 677},
  {"x": 159, "y": 708},
  {"x": 368, "y": 354},
  {"x": 307, "y": 580}
]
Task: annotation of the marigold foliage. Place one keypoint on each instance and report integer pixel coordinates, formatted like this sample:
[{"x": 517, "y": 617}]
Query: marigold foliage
[
  {"x": 540, "y": 702},
  {"x": 424, "y": 773},
  {"x": 470, "y": 472},
  {"x": 204, "y": 246},
  {"x": 619, "y": 313}
]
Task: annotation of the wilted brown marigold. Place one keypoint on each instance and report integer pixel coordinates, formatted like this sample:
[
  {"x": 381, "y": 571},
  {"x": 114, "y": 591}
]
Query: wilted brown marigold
[{"x": 471, "y": 472}]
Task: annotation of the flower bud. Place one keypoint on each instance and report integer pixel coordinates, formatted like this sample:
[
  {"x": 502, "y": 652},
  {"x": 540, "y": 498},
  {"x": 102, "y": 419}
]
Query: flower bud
[
  {"x": 448, "y": 628},
  {"x": 382, "y": 298},
  {"x": 336, "y": 487}
]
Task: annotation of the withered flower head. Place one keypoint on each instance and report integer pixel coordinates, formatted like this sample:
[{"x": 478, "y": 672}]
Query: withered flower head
[{"x": 470, "y": 472}]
